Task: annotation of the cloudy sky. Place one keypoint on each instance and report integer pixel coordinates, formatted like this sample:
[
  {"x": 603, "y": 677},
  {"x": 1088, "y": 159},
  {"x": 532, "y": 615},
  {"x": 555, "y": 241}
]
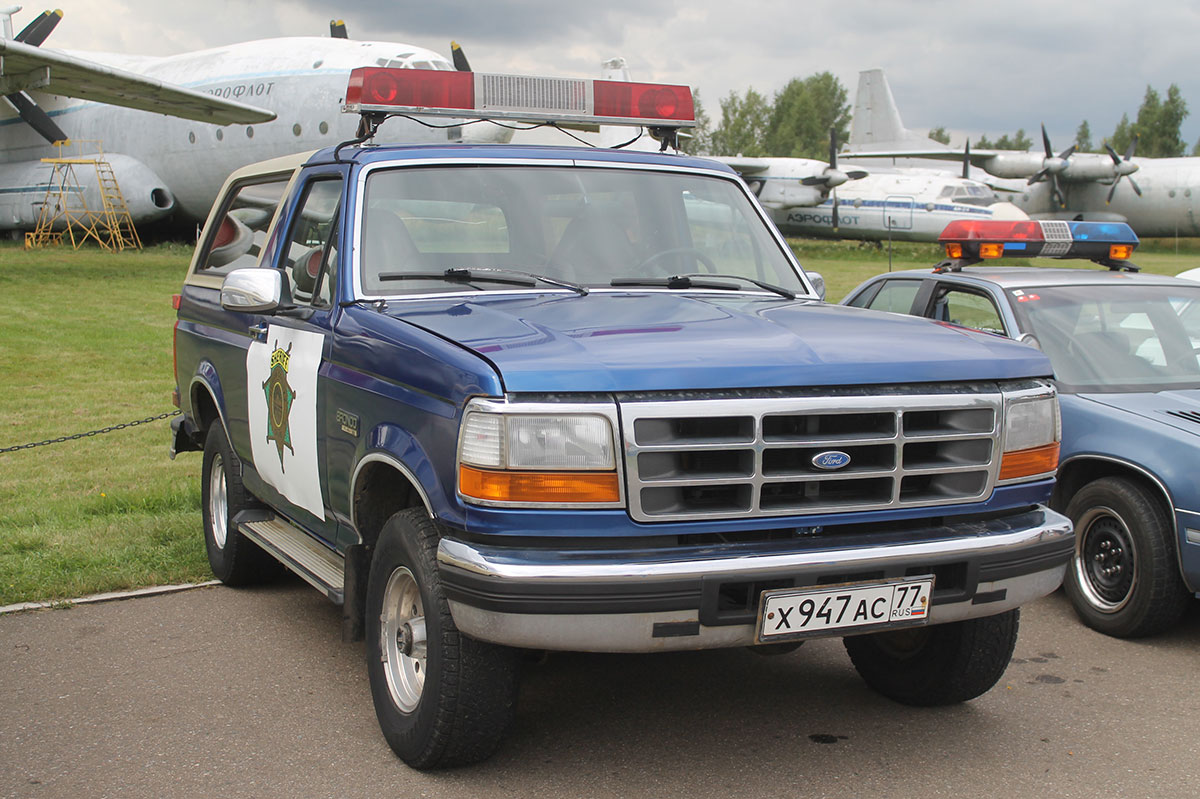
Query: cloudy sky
[{"x": 974, "y": 67}]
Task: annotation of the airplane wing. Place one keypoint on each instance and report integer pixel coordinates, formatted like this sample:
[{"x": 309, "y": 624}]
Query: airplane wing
[
  {"x": 744, "y": 166},
  {"x": 23, "y": 66},
  {"x": 979, "y": 158}
]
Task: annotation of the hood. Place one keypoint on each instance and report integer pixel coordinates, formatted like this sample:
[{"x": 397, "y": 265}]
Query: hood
[
  {"x": 649, "y": 341},
  {"x": 1179, "y": 408}
]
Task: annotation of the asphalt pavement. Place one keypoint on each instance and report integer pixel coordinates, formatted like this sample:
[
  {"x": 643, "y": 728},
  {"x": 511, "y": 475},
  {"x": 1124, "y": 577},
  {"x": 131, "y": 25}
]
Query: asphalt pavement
[{"x": 230, "y": 693}]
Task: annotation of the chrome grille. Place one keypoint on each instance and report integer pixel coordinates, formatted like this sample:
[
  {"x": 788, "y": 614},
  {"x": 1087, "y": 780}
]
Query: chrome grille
[{"x": 697, "y": 458}]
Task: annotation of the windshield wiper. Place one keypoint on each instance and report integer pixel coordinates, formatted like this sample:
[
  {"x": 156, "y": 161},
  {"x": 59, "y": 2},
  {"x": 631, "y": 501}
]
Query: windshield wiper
[
  {"x": 700, "y": 280},
  {"x": 511, "y": 277}
]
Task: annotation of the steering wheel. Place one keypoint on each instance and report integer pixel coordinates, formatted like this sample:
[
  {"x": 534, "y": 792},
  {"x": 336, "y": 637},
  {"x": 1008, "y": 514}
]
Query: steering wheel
[
  {"x": 699, "y": 256},
  {"x": 1184, "y": 363}
]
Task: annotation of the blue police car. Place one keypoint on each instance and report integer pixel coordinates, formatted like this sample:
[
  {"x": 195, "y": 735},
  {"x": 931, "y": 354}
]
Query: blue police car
[{"x": 1124, "y": 347}]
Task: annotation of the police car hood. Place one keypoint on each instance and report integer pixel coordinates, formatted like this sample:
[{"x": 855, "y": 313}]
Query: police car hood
[
  {"x": 1179, "y": 408},
  {"x": 647, "y": 341}
]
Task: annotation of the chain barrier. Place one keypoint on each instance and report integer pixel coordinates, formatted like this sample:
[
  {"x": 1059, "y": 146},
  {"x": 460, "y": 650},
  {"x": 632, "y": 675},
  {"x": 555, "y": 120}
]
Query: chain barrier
[{"x": 90, "y": 433}]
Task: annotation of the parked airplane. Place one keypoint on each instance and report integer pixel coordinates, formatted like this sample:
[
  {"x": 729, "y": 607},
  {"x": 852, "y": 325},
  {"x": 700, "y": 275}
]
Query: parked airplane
[
  {"x": 1164, "y": 199},
  {"x": 806, "y": 197},
  {"x": 284, "y": 95}
]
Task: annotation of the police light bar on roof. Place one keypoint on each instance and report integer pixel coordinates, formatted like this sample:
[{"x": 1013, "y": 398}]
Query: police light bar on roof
[
  {"x": 478, "y": 95},
  {"x": 975, "y": 240}
]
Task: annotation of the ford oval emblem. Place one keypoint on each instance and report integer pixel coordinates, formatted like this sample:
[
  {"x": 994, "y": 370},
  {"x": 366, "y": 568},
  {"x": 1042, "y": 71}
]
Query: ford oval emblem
[{"x": 831, "y": 460}]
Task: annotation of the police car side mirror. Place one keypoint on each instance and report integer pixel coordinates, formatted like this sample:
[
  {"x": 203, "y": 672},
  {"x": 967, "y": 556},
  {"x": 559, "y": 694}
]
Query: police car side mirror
[
  {"x": 255, "y": 290},
  {"x": 818, "y": 282}
]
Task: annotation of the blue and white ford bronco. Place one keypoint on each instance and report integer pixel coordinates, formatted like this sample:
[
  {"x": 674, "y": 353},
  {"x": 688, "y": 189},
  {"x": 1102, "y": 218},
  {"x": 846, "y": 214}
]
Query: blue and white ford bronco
[{"x": 501, "y": 398}]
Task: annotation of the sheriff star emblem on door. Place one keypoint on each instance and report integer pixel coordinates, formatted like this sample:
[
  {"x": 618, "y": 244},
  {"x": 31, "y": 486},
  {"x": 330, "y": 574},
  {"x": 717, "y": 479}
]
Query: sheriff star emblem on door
[{"x": 280, "y": 397}]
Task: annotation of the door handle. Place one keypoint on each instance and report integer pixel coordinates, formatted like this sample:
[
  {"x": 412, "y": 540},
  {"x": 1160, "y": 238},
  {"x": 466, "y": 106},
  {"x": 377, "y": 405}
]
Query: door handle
[{"x": 259, "y": 331}]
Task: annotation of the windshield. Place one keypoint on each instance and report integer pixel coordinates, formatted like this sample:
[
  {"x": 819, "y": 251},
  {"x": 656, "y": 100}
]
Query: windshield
[
  {"x": 585, "y": 225},
  {"x": 1116, "y": 338}
]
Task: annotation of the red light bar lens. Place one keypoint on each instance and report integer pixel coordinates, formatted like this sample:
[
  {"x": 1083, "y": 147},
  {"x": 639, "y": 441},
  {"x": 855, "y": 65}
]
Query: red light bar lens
[
  {"x": 991, "y": 230},
  {"x": 649, "y": 101},
  {"x": 411, "y": 88}
]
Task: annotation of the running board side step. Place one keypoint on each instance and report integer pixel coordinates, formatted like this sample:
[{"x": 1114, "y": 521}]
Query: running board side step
[{"x": 320, "y": 566}]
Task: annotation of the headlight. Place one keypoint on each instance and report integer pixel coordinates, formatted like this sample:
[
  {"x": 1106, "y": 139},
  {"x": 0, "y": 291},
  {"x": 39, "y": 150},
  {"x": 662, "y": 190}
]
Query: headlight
[
  {"x": 1031, "y": 433},
  {"x": 524, "y": 455}
]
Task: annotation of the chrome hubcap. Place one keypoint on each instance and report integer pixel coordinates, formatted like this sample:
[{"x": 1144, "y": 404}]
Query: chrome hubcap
[
  {"x": 218, "y": 502},
  {"x": 402, "y": 639},
  {"x": 1104, "y": 560}
]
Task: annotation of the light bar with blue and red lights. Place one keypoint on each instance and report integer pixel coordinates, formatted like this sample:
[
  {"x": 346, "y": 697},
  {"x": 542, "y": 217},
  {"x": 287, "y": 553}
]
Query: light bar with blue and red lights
[
  {"x": 524, "y": 98},
  {"x": 970, "y": 241}
]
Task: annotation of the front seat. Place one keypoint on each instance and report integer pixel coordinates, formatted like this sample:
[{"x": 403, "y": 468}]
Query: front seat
[{"x": 593, "y": 249}]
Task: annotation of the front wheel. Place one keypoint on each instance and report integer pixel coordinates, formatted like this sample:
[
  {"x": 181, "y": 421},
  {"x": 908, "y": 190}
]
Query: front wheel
[
  {"x": 942, "y": 664},
  {"x": 1124, "y": 579},
  {"x": 235, "y": 559},
  {"x": 442, "y": 699}
]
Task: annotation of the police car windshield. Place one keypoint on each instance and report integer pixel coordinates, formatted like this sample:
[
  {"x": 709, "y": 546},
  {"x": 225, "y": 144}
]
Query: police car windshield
[
  {"x": 584, "y": 225},
  {"x": 1113, "y": 338}
]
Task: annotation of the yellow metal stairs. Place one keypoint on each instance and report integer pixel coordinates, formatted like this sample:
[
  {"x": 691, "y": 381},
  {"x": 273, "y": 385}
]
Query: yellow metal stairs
[{"x": 65, "y": 213}]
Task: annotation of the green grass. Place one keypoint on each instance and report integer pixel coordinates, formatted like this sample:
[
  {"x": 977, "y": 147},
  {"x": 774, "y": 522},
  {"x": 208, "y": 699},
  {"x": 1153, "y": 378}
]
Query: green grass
[{"x": 85, "y": 342}]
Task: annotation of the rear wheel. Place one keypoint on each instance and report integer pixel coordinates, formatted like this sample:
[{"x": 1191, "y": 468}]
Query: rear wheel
[
  {"x": 235, "y": 559},
  {"x": 941, "y": 664},
  {"x": 442, "y": 699},
  {"x": 1124, "y": 579}
]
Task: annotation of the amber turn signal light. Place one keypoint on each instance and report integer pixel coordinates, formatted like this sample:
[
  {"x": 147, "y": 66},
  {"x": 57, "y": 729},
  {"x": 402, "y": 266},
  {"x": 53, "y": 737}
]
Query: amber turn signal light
[
  {"x": 552, "y": 487},
  {"x": 1028, "y": 462},
  {"x": 1120, "y": 252},
  {"x": 991, "y": 250},
  {"x": 954, "y": 251}
]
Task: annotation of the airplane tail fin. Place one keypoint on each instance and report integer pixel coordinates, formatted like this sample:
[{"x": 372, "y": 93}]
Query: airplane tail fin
[{"x": 876, "y": 123}]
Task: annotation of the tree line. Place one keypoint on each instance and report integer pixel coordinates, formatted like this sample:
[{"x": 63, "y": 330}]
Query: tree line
[{"x": 797, "y": 120}]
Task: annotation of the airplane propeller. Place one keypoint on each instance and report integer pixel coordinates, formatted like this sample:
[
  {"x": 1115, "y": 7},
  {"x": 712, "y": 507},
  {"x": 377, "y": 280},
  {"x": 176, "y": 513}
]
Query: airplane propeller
[
  {"x": 967, "y": 161},
  {"x": 831, "y": 177},
  {"x": 34, "y": 34},
  {"x": 1051, "y": 166},
  {"x": 337, "y": 29},
  {"x": 460, "y": 58},
  {"x": 1123, "y": 169}
]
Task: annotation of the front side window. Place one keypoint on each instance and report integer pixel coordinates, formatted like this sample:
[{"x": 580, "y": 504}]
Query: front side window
[
  {"x": 967, "y": 309},
  {"x": 580, "y": 224},
  {"x": 310, "y": 257},
  {"x": 1116, "y": 338}
]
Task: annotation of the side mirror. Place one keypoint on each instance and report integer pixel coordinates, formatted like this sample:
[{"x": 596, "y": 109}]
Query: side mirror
[
  {"x": 254, "y": 290},
  {"x": 818, "y": 282}
]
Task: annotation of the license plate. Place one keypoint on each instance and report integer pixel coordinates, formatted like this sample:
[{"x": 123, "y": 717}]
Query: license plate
[{"x": 797, "y": 613}]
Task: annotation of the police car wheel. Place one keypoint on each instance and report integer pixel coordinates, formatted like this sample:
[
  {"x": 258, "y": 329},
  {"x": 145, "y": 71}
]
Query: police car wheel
[
  {"x": 1124, "y": 578},
  {"x": 942, "y": 664},
  {"x": 235, "y": 559},
  {"x": 442, "y": 698}
]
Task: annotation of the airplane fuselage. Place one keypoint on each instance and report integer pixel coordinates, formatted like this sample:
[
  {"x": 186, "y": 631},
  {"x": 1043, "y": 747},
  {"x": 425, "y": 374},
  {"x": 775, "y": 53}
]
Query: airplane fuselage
[
  {"x": 166, "y": 164},
  {"x": 1169, "y": 205},
  {"x": 913, "y": 205}
]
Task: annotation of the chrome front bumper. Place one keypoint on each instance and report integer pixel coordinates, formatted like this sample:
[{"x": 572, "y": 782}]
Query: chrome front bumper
[{"x": 657, "y": 600}]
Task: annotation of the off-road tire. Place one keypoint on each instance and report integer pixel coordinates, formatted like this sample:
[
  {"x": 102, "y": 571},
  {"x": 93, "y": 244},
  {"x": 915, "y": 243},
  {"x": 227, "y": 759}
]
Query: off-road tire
[
  {"x": 235, "y": 559},
  {"x": 453, "y": 704},
  {"x": 942, "y": 664},
  {"x": 1124, "y": 578}
]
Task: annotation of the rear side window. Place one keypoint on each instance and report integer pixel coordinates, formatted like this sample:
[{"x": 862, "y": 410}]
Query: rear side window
[
  {"x": 240, "y": 236},
  {"x": 895, "y": 296}
]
